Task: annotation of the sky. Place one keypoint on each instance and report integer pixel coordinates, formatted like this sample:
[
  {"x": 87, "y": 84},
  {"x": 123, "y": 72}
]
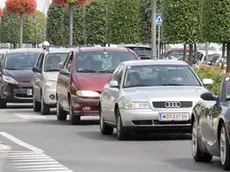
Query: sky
[{"x": 40, "y": 4}]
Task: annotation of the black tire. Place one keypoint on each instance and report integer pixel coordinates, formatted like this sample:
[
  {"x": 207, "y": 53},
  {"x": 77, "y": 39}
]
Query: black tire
[
  {"x": 198, "y": 155},
  {"x": 226, "y": 162},
  {"x": 45, "y": 109},
  {"x": 73, "y": 119},
  {"x": 121, "y": 133},
  {"x": 36, "y": 105},
  {"x": 104, "y": 128},
  {"x": 2, "y": 104},
  {"x": 61, "y": 114}
]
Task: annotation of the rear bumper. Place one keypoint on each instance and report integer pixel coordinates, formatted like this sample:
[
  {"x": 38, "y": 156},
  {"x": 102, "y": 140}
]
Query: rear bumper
[
  {"x": 85, "y": 107},
  {"x": 17, "y": 93}
]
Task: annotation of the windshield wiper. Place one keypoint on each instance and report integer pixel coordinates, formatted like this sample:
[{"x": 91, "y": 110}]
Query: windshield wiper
[
  {"x": 172, "y": 84},
  {"x": 105, "y": 71},
  {"x": 139, "y": 85},
  {"x": 53, "y": 70},
  {"x": 12, "y": 69},
  {"x": 86, "y": 71}
]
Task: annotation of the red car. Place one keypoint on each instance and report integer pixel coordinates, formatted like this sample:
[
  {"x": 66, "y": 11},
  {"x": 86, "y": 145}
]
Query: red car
[{"x": 82, "y": 78}]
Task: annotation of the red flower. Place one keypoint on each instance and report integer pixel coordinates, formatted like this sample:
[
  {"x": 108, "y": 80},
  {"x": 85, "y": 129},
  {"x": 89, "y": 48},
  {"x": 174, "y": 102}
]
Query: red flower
[
  {"x": 21, "y": 6},
  {"x": 1, "y": 12},
  {"x": 76, "y": 2}
]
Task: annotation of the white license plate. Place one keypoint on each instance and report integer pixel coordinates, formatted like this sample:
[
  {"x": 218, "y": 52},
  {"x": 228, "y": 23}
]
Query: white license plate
[
  {"x": 29, "y": 92},
  {"x": 174, "y": 116}
]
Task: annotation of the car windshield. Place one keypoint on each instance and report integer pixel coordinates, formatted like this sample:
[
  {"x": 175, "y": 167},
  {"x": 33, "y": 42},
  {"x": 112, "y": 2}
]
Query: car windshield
[
  {"x": 160, "y": 75},
  {"x": 101, "y": 62},
  {"x": 54, "y": 61},
  {"x": 21, "y": 61},
  {"x": 176, "y": 54}
]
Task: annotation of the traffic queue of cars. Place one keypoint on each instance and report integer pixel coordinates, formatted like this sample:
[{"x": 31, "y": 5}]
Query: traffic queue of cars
[{"x": 129, "y": 94}]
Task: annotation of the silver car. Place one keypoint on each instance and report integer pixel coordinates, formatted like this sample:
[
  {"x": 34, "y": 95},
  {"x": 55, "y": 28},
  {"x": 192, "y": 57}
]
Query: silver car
[
  {"x": 45, "y": 77},
  {"x": 152, "y": 95}
]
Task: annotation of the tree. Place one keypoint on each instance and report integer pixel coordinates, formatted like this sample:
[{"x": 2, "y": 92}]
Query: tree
[
  {"x": 123, "y": 18},
  {"x": 181, "y": 21},
  {"x": 71, "y": 4},
  {"x": 9, "y": 32},
  {"x": 34, "y": 28},
  {"x": 78, "y": 29},
  {"x": 21, "y": 7},
  {"x": 95, "y": 27},
  {"x": 215, "y": 26},
  {"x": 55, "y": 24},
  {"x": 145, "y": 21},
  {"x": 1, "y": 12}
]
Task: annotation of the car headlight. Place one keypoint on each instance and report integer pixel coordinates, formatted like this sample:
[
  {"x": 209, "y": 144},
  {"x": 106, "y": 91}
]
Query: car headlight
[
  {"x": 49, "y": 84},
  {"x": 9, "y": 79},
  {"x": 137, "y": 105},
  {"x": 87, "y": 93}
]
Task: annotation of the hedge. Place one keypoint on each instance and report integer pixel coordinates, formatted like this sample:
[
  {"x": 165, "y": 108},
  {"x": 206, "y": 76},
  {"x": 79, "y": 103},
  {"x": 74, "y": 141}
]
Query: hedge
[{"x": 214, "y": 73}]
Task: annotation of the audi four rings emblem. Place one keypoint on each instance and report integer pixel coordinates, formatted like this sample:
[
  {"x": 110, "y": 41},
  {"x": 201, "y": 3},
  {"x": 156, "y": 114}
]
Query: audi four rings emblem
[{"x": 172, "y": 104}]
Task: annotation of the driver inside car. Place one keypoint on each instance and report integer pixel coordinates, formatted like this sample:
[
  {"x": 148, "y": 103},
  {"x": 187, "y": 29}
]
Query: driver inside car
[{"x": 133, "y": 79}]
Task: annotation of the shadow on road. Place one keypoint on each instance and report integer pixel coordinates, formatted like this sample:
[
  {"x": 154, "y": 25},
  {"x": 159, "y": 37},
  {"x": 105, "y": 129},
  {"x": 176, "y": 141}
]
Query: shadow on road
[
  {"x": 96, "y": 135},
  {"x": 19, "y": 106},
  {"x": 188, "y": 164},
  {"x": 56, "y": 122}
]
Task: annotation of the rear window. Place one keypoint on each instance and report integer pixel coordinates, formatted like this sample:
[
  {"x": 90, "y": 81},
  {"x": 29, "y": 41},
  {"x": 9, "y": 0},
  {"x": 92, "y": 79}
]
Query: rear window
[
  {"x": 101, "y": 62},
  {"x": 21, "y": 61}
]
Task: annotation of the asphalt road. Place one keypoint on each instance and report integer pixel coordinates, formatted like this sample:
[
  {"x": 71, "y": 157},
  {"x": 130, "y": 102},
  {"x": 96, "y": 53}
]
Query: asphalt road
[{"x": 43, "y": 144}]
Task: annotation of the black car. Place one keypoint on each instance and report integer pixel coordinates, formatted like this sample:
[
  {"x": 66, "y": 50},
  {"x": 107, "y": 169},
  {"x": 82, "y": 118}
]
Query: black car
[
  {"x": 16, "y": 75},
  {"x": 211, "y": 126}
]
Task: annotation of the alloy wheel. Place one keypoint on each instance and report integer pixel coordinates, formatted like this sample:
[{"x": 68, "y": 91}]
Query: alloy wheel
[{"x": 223, "y": 146}]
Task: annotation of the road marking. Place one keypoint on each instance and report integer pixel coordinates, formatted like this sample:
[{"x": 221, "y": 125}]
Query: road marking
[
  {"x": 30, "y": 117},
  {"x": 22, "y": 162},
  {"x": 20, "y": 142}
]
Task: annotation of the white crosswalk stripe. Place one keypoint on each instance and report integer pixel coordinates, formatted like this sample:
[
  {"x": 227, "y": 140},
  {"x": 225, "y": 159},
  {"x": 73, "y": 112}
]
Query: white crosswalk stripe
[{"x": 33, "y": 161}]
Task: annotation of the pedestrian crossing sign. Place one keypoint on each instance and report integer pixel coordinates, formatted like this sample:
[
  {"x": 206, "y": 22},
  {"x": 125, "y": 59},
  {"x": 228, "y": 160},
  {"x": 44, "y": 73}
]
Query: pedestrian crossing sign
[{"x": 158, "y": 19}]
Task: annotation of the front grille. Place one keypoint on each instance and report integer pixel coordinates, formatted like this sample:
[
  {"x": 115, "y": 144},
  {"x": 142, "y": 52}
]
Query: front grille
[{"x": 184, "y": 104}]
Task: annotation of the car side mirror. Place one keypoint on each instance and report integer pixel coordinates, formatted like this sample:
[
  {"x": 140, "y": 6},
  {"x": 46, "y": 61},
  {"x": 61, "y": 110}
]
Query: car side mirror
[
  {"x": 207, "y": 82},
  {"x": 36, "y": 70},
  {"x": 113, "y": 84},
  {"x": 64, "y": 72},
  {"x": 209, "y": 96}
]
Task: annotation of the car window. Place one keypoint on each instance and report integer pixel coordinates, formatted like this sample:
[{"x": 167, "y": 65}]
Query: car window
[
  {"x": 53, "y": 61},
  {"x": 141, "y": 51},
  {"x": 160, "y": 75},
  {"x": 118, "y": 76},
  {"x": 69, "y": 65},
  {"x": 113, "y": 76},
  {"x": 101, "y": 62},
  {"x": 20, "y": 61},
  {"x": 41, "y": 61}
]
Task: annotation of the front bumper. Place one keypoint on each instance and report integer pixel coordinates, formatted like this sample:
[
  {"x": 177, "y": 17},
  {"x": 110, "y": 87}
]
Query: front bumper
[
  {"x": 85, "y": 107},
  {"x": 21, "y": 93},
  {"x": 49, "y": 96},
  {"x": 147, "y": 119}
]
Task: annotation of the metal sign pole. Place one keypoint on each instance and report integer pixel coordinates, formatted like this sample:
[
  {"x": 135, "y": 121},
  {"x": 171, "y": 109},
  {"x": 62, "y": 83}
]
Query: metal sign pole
[
  {"x": 153, "y": 39},
  {"x": 159, "y": 42}
]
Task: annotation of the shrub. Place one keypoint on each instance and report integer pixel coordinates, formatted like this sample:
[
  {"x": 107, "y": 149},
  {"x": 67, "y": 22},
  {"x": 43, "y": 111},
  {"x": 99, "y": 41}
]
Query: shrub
[{"x": 214, "y": 73}]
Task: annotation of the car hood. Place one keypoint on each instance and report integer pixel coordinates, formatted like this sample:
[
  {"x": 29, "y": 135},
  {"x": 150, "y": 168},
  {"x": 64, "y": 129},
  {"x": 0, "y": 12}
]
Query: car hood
[
  {"x": 51, "y": 76},
  {"x": 94, "y": 82},
  {"x": 20, "y": 75},
  {"x": 166, "y": 93}
]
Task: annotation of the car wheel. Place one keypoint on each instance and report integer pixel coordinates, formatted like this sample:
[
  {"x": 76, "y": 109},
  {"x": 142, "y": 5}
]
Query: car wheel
[
  {"x": 2, "y": 103},
  {"x": 61, "y": 114},
  {"x": 36, "y": 105},
  {"x": 198, "y": 155},
  {"x": 224, "y": 149},
  {"x": 104, "y": 128},
  {"x": 121, "y": 133},
  {"x": 73, "y": 119},
  {"x": 45, "y": 109}
]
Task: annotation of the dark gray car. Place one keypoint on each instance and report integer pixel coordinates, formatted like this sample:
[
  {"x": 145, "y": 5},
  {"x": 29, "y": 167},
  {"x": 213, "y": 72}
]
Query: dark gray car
[{"x": 211, "y": 126}]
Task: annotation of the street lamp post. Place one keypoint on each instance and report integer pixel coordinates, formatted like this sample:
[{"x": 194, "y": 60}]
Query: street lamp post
[{"x": 154, "y": 30}]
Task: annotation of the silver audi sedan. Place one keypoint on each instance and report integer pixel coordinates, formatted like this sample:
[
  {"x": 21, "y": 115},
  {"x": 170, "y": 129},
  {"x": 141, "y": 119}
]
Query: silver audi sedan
[{"x": 150, "y": 96}]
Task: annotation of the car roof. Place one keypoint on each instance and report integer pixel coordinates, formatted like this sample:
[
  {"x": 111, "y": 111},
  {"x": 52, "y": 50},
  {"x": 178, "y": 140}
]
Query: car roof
[
  {"x": 59, "y": 50},
  {"x": 25, "y": 50},
  {"x": 153, "y": 62},
  {"x": 134, "y": 45},
  {"x": 102, "y": 49}
]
